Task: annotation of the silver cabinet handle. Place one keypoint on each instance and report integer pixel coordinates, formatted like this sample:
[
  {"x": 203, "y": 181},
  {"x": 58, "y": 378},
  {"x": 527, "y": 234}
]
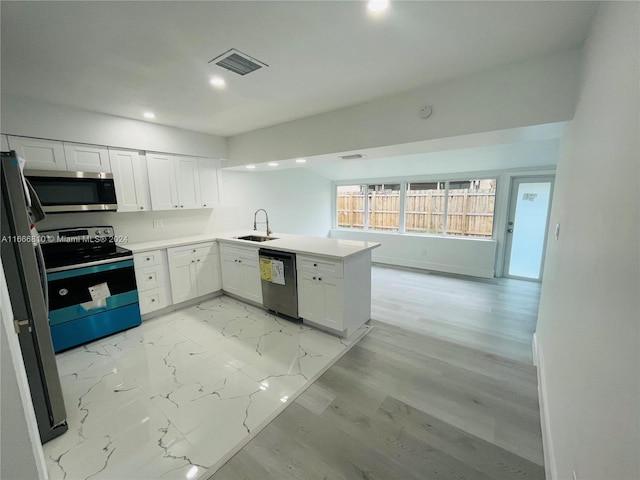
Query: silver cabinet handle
[{"x": 150, "y": 278}]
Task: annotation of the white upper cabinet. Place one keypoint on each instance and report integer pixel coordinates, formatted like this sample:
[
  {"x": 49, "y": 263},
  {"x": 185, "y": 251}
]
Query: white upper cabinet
[
  {"x": 39, "y": 154},
  {"x": 174, "y": 182},
  {"x": 4, "y": 143},
  {"x": 188, "y": 183},
  {"x": 86, "y": 158},
  {"x": 130, "y": 178},
  {"x": 210, "y": 188},
  {"x": 162, "y": 181}
]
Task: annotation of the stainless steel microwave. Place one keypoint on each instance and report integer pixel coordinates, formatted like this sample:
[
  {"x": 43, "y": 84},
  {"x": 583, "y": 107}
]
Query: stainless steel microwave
[{"x": 61, "y": 191}]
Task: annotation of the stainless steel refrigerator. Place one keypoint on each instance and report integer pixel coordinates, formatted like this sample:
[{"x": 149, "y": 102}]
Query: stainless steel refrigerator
[{"x": 27, "y": 284}]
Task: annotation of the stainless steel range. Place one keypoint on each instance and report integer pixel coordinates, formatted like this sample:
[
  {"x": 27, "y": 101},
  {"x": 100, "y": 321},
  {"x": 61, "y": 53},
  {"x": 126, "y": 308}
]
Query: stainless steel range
[{"x": 91, "y": 285}]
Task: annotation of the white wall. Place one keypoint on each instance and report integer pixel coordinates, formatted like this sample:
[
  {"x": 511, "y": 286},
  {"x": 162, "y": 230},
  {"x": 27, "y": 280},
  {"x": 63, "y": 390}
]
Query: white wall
[
  {"x": 21, "y": 453},
  {"x": 588, "y": 331},
  {"x": 35, "y": 119},
  {"x": 463, "y": 256},
  {"x": 535, "y": 92},
  {"x": 297, "y": 200}
]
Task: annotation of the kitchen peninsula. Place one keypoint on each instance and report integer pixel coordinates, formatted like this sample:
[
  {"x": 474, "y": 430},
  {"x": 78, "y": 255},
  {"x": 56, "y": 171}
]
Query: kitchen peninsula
[{"x": 333, "y": 275}]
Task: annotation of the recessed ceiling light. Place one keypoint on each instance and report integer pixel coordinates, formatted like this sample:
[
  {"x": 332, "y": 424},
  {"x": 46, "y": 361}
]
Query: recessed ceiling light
[
  {"x": 273, "y": 164},
  {"x": 149, "y": 115},
  {"x": 301, "y": 160},
  {"x": 217, "y": 81},
  {"x": 250, "y": 167},
  {"x": 377, "y": 6}
]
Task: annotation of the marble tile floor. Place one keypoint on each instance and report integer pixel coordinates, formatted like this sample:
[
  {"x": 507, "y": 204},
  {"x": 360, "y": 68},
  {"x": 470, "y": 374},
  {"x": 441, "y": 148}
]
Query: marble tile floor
[{"x": 183, "y": 392}]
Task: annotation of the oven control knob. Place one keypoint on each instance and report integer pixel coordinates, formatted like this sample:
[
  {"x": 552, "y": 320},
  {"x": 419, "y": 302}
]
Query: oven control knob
[
  {"x": 98, "y": 232},
  {"x": 106, "y": 231}
]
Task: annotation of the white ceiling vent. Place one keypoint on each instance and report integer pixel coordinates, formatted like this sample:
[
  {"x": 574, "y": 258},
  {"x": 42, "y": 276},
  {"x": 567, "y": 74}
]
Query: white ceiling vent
[
  {"x": 354, "y": 156},
  {"x": 238, "y": 62}
]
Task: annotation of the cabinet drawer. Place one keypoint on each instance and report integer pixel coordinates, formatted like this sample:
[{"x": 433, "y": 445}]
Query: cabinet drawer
[
  {"x": 153, "y": 299},
  {"x": 239, "y": 252},
  {"x": 319, "y": 265},
  {"x": 200, "y": 249},
  {"x": 150, "y": 277},
  {"x": 147, "y": 259}
]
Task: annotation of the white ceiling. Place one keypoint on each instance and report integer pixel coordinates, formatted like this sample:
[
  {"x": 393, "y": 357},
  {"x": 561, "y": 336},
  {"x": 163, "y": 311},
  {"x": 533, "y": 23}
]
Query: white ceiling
[{"x": 123, "y": 58}]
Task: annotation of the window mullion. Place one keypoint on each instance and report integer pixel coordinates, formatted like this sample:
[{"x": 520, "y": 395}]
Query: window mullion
[
  {"x": 403, "y": 194},
  {"x": 365, "y": 215},
  {"x": 446, "y": 207}
]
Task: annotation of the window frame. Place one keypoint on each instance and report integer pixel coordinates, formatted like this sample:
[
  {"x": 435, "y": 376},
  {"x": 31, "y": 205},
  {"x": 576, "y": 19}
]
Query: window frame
[{"x": 403, "y": 194}]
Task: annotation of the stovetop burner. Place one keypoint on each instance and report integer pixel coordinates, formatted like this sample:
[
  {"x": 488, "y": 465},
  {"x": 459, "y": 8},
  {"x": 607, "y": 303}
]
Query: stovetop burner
[{"x": 80, "y": 246}]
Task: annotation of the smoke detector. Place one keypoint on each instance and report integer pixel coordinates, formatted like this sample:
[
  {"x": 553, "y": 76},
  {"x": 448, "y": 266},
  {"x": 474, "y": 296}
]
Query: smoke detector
[
  {"x": 354, "y": 156},
  {"x": 238, "y": 62}
]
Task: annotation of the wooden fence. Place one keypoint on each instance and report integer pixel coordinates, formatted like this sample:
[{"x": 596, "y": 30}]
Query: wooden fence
[{"x": 470, "y": 213}]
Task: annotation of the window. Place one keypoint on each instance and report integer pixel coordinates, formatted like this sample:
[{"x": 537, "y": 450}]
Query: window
[
  {"x": 424, "y": 207},
  {"x": 383, "y": 212},
  {"x": 350, "y": 203},
  {"x": 447, "y": 207},
  {"x": 470, "y": 207}
]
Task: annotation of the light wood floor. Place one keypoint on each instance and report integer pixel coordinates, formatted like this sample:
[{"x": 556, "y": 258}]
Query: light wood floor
[{"x": 441, "y": 388}]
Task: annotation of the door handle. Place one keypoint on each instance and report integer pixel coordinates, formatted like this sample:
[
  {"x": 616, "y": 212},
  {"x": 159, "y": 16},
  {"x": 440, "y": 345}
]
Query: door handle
[{"x": 510, "y": 230}]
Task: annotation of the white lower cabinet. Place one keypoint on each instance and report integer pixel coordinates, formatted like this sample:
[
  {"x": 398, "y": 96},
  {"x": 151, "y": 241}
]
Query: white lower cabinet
[
  {"x": 241, "y": 272},
  {"x": 194, "y": 270},
  {"x": 154, "y": 291},
  {"x": 335, "y": 294}
]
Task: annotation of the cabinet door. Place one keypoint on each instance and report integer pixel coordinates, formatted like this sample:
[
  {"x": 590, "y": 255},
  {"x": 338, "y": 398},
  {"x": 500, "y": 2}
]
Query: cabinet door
[
  {"x": 182, "y": 272},
  {"x": 162, "y": 181},
  {"x": 39, "y": 154},
  {"x": 209, "y": 173},
  {"x": 207, "y": 274},
  {"x": 251, "y": 285},
  {"x": 310, "y": 297},
  {"x": 333, "y": 302},
  {"x": 187, "y": 181},
  {"x": 231, "y": 274},
  {"x": 130, "y": 180},
  {"x": 86, "y": 158}
]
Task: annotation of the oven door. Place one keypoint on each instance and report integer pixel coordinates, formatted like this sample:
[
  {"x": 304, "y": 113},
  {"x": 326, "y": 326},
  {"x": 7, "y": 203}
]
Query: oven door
[
  {"x": 91, "y": 302},
  {"x": 73, "y": 191}
]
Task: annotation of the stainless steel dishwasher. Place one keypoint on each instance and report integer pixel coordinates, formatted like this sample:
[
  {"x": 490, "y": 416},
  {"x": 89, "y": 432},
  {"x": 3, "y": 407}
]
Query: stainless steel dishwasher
[{"x": 279, "y": 282}]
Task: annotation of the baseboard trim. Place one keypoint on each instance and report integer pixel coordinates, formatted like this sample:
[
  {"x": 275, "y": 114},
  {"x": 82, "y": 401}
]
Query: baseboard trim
[{"x": 551, "y": 472}]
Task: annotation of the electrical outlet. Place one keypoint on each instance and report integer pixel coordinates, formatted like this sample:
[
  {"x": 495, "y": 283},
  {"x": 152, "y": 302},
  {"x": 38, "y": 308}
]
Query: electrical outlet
[{"x": 158, "y": 224}]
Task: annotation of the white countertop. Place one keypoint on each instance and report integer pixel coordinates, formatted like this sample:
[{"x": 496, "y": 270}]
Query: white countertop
[{"x": 325, "y": 247}]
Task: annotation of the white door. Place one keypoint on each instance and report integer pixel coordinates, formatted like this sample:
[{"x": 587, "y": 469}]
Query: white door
[
  {"x": 333, "y": 316},
  {"x": 231, "y": 273},
  {"x": 527, "y": 226},
  {"x": 162, "y": 181},
  {"x": 310, "y": 297},
  {"x": 188, "y": 183},
  {"x": 39, "y": 154},
  {"x": 251, "y": 286},
  {"x": 86, "y": 158},
  {"x": 182, "y": 272},
  {"x": 129, "y": 179},
  {"x": 208, "y": 170},
  {"x": 207, "y": 274}
]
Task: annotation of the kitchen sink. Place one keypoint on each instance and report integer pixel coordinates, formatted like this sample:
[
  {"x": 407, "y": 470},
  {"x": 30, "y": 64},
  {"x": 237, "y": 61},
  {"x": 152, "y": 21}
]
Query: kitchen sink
[{"x": 256, "y": 238}]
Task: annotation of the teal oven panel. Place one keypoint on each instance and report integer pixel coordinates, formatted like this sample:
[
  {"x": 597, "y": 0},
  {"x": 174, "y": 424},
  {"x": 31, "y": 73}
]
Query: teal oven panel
[{"x": 92, "y": 302}]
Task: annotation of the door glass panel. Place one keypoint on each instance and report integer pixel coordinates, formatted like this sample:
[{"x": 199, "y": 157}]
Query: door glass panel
[{"x": 529, "y": 229}]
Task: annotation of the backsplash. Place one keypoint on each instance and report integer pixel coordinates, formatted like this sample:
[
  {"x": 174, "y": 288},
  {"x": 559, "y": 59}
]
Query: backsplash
[{"x": 139, "y": 226}]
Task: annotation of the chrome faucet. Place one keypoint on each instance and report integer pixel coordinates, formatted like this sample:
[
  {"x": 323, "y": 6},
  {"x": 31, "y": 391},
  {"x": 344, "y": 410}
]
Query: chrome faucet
[{"x": 266, "y": 216}]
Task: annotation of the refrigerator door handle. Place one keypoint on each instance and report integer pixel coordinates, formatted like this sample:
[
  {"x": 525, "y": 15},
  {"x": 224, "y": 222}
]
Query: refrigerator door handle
[{"x": 43, "y": 274}]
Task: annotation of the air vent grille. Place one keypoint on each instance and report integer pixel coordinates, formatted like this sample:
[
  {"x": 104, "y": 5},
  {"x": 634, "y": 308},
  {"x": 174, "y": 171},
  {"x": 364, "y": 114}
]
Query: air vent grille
[{"x": 238, "y": 62}]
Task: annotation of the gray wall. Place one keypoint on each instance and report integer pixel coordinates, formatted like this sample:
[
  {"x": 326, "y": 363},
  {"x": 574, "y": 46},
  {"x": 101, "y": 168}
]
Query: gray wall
[{"x": 589, "y": 322}]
